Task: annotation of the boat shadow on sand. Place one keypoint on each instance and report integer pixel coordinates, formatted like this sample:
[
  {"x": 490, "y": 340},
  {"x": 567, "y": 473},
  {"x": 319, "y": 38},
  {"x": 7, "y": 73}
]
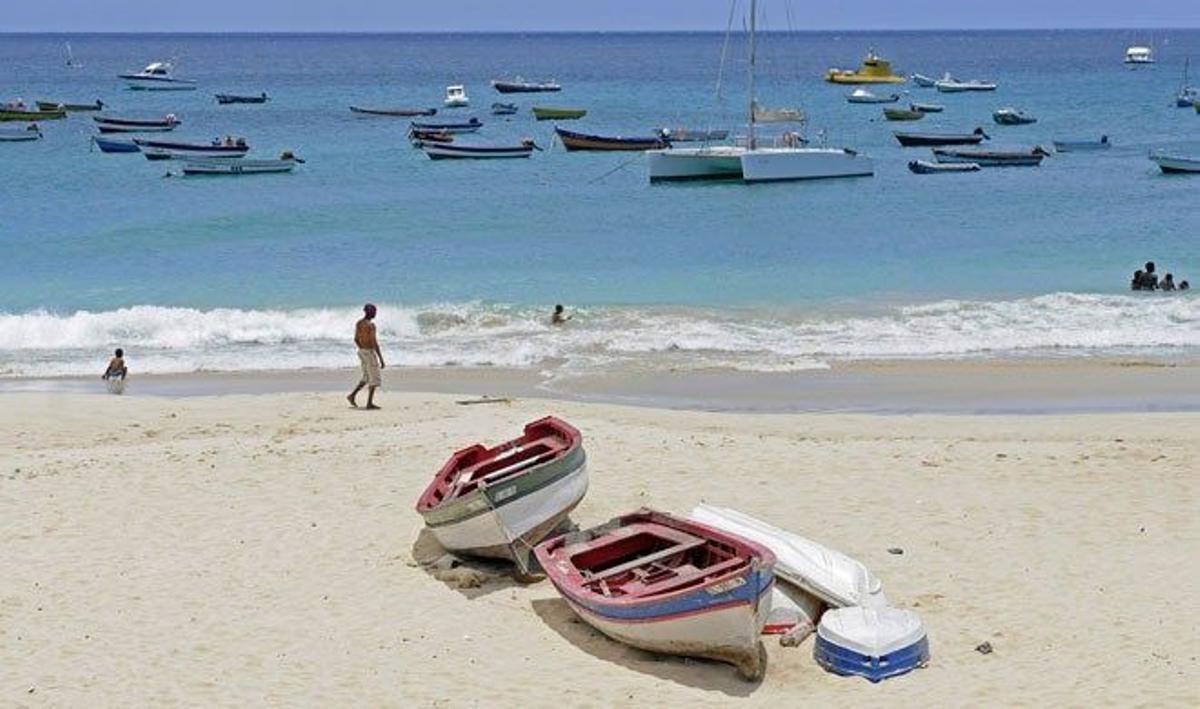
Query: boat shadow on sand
[
  {"x": 687, "y": 671},
  {"x": 471, "y": 577}
]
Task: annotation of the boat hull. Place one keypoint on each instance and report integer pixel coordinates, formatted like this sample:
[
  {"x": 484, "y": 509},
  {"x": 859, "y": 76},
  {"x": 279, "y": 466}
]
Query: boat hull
[
  {"x": 69, "y": 107},
  {"x": 519, "y": 87},
  {"x": 236, "y": 167},
  {"x": 19, "y": 136},
  {"x": 558, "y": 114},
  {"x": 395, "y": 112},
  {"x": 119, "y": 128},
  {"x": 446, "y": 127},
  {"x": 776, "y": 165},
  {"x": 1172, "y": 164},
  {"x": 184, "y": 151},
  {"x": 844, "y": 77},
  {"x": 930, "y": 140},
  {"x": 32, "y": 116},
  {"x": 502, "y": 528},
  {"x": 142, "y": 83},
  {"x": 573, "y": 141},
  {"x": 1079, "y": 146},
  {"x": 683, "y": 164},
  {"x": 110, "y": 145},
  {"x": 920, "y": 167},
  {"x": 225, "y": 99},
  {"x": 450, "y": 151},
  {"x": 901, "y": 114},
  {"x": 989, "y": 159}
]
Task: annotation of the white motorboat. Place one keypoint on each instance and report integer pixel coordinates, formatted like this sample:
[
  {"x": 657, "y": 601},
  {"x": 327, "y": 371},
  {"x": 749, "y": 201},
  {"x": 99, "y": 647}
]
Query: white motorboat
[
  {"x": 219, "y": 166},
  {"x": 950, "y": 85},
  {"x": 157, "y": 76},
  {"x": 1175, "y": 163},
  {"x": 20, "y": 135},
  {"x": 864, "y": 96},
  {"x": 752, "y": 162},
  {"x": 1139, "y": 55},
  {"x": 923, "y": 81},
  {"x": 456, "y": 97}
]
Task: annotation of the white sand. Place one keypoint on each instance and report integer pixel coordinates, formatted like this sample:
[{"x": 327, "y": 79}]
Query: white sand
[{"x": 258, "y": 551}]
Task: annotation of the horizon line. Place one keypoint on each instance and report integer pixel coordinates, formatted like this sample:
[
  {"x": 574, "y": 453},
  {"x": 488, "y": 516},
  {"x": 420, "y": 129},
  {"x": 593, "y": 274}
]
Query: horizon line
[{"x": 879, "y": 30}]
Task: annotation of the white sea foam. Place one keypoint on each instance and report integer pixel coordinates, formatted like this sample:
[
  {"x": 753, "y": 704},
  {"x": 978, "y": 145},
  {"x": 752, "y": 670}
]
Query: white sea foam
[{"x": 171, "y": 339}]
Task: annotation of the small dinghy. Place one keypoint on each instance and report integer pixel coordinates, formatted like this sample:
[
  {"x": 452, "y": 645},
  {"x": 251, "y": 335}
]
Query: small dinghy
[
  {"x": 503, "y": 109},
  {"x": 582, "y": 141},
  {"x": 421, "y": 138},
  {"x": 400, "y": 112},
  {"x": 1175, "y": 164},
  {"x": 827, "y": 574},
  {"x": 549, "y": 113},
  {"x": 667, "y": 585},
  {"x": 928, "y": 107},
  {"x": 469, "y": 126},
  {"x": 497, "y": 502},
  {"x": 875, "y": 643},
  {"x": 992, "y": 158},
  {"x": 924, "y": 167},
  {"x": 692, "y": 135},
  {"x": 20, "y": 135},
  {"x": 454, "y": 151},
  {"x": 913, "y": 140},
  {"x": 115, "y": 124},
  {"x": 456, "y": 97},
  {"x": 224, "y": 99},
  {"x": 950, "y": 85},
  {"x": 218, "y": 166},
  {"x": 228, "y": 147},
  {"x": 1079, "y": 146},
  {"x": 18, "y": 111},
  {"x": 864, "y": 96},
  {"x": 902, "y": 114},
  {"x": 521, "y": 86},
  {"x": 115, "y": 145},
  {"x": 1012, "y": 117},
  {"x": 923, "y": 81},
  {"x": 70, "y": 107}
]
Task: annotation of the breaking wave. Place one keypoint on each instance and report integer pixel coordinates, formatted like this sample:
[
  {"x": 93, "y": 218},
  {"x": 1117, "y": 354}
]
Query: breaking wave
[{"x": 173, "y": 339}]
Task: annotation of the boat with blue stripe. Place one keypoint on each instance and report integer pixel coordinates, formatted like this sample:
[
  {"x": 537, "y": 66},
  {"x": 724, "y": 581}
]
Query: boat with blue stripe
[{"x": 667, "y": 585}]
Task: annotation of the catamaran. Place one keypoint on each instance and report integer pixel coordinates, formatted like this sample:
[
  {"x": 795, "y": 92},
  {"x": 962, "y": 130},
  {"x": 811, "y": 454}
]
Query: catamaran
[{"x": 750, "y": 161}]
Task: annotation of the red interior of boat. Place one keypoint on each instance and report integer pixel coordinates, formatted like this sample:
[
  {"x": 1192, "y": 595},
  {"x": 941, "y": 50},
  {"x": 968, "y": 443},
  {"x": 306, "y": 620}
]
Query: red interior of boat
[
  {"x": 650, "y": 559},
  {"x": 543, "y": 441}
]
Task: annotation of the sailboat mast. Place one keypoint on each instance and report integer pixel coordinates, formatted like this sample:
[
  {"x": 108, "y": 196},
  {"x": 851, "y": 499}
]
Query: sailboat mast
[{"x": 753, "y": 58}]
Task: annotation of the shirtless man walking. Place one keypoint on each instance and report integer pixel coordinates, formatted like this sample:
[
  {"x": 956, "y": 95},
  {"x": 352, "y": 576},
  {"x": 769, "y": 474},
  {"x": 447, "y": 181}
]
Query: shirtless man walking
[{"x": 369, "y": 357}]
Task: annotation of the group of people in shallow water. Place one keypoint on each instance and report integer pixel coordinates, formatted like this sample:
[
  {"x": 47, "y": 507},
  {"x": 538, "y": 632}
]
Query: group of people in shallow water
[{"x": 1147, "y": 279}]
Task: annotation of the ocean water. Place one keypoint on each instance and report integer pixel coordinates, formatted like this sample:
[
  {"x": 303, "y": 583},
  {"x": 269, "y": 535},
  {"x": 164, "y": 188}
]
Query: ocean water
[{"x": 466, "y": 258}]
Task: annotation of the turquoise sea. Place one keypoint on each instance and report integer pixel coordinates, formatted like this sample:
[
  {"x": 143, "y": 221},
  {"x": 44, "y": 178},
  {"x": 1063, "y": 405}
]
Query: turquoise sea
[{"x": 465, "y": 258}]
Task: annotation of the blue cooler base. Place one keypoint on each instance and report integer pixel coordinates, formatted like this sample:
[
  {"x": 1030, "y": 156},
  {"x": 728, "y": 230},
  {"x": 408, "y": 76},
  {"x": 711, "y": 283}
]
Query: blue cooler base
[{"x": 839, "y": 660}]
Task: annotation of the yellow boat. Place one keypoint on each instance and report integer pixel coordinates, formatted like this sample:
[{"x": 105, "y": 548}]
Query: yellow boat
[{"x": 874, "y": 71}]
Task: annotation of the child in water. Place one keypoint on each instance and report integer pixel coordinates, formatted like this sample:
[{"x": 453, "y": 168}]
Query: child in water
[{"x": 115, "y": 373}]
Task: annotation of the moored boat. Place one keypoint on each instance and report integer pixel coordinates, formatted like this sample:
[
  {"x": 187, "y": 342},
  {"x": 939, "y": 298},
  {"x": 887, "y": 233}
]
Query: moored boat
[
  {"x": 991, "y": 158},
  {"x": 115, "y": 124},
  {"x": 902, "y": 114},
  {"x": 923, "y": 81},
  {"x": 70, "y": 107},
  {"x": 572, "y": 141},
  {"x": 911, "y": 140},
  {"x": 1139, "y": 55},
  {"x": 503, "y": 109},
  {"x": 1188, "y": 95},
  {"x": 521, "y": 86},
  {"x": 1012, "y": 117},
  {"x": 20, "y": 135},
  {"x": 667, "y": 585},
  {"x": 218, "y": 166},
  {"x": 950, "y": 85},
  {"x": 692, "y": 135},
  {"x": 454, "y": 151},
  {"x": 456, "y": 97},
  {"x": 864, "y": 96},
  {"x": 1174, "y": 164},
  {"x": 420, "y": 138},
  {"x": 228, "y": 147},
  {"x": 551, "y": 113},
  {"x": 924, "y": 167},
  {"x": 497, "y": 502},
  {"x": 1078, "y": 146},
  {"x": 928, "y": 107},
  {"x": 115, "y": 145},
  {"x": 874, "y": 70},
  {"x": 157, "y": 76},
  {"x": 399, "y": 112},
  {"x": 17, "y": 110},
  {"x": 242, "y": 98},
  {"x": 469, "y": 126}
]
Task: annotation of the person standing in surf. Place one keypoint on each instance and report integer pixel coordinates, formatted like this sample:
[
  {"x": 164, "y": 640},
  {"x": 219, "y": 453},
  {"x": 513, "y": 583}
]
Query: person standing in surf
[{"x": 370, "y": 357}]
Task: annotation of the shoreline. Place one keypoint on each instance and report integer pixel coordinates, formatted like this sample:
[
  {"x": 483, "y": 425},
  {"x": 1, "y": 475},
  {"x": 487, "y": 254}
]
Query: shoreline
[{"x": 882, "y": 387}]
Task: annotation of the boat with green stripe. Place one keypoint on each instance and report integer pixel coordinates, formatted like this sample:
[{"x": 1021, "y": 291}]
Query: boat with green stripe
[
  {"x": 552, "y": 113},
  {"x": 498, "y": 502}
]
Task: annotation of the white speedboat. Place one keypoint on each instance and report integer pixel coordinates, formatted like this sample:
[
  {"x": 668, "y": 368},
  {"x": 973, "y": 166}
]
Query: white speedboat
[
  {"x": 950, "y": 85},
  {"x": 752, "y": 162},
  {"x": 1139, "y": 55},
  {"x": 157, "y": 76},
  {"x": 456, "y": 97},
  {"x": 864, "y": 96},
  {"x": 218, "y": 166},
  {"x": 1175, "y": 163}
]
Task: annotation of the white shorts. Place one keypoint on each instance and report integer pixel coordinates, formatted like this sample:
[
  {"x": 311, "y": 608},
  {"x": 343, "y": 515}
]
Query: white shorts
[{"x": 370, "y": 368}]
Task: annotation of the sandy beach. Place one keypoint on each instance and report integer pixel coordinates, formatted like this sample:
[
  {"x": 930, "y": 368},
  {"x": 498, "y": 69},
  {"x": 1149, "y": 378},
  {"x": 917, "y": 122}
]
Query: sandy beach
[{"x": 261, "y": 550}]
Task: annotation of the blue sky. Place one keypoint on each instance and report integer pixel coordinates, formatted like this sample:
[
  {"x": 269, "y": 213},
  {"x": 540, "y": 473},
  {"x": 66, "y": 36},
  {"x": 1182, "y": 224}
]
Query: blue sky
[{"x": 517, "y": 15}]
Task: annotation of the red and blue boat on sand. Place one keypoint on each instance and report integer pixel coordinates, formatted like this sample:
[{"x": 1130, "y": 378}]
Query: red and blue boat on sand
[{"x": 667, "y": 585}]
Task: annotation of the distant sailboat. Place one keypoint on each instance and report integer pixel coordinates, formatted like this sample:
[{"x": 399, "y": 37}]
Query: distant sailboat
[{"x": 1188, "y": 94}]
